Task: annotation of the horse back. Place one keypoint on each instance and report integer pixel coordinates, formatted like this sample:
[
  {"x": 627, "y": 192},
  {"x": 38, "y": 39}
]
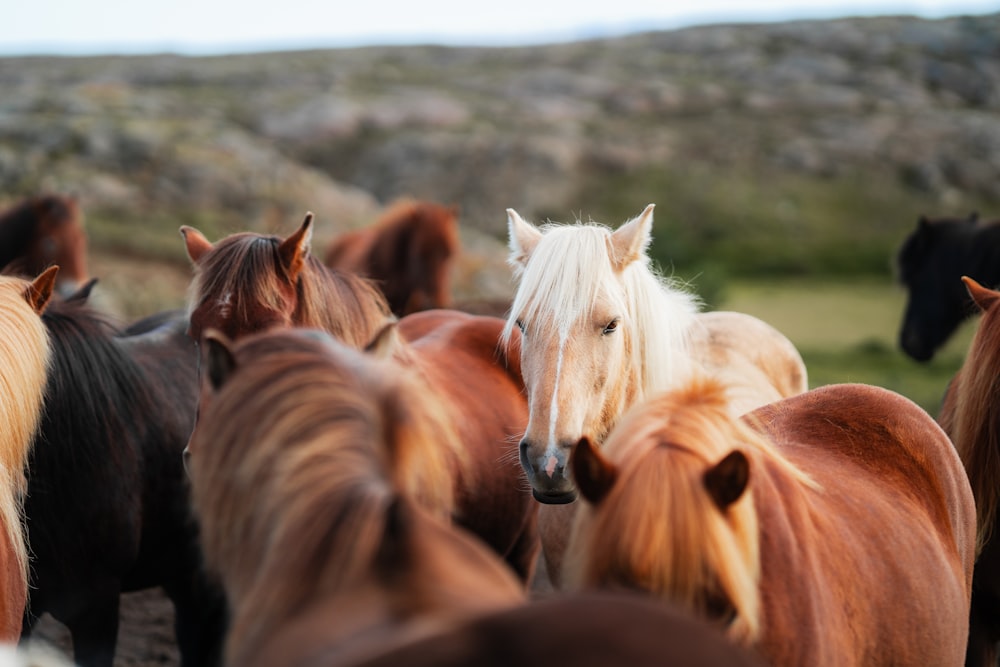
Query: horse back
[{"x": 892, "y": 511}]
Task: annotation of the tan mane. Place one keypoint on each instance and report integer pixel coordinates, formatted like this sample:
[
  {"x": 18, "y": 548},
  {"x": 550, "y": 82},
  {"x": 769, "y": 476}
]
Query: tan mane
[
  {"x": 298, "y": 456},
  {"x": 657, "y": 529},
  {"x": 24, "y": 361}
]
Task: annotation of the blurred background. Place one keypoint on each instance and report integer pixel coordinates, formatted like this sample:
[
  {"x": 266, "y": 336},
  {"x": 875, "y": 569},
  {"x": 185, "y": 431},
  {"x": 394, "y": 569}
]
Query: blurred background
[{"x": 789, "y": 150}]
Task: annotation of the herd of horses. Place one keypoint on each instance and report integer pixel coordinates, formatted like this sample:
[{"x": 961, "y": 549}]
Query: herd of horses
[{"x": 325, "y": 462}]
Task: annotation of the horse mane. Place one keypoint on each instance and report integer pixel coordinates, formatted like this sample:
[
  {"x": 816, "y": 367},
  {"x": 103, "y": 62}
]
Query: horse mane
[
  {"x": 347, "y": 306},
  {"x": 316, "y": 440},
  {"x": 658, "y": 529},
  {"x": 24, "y": 361},
  {"x": 974, "y": 421},
  {"x": 570, "y": 268}
]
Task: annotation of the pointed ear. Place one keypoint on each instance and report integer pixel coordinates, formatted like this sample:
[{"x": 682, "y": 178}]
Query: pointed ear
[
  {"x": 39, "y": 292},
  {"x": 522, "y": 239},
  {"x": 629, "y": 242},
  {"x": 294, "y": 250},
  {"x": 83, "y": 293},
  {"x": 217, "y": 359},
  {"x": 727, "y": 480},
  {"x": 923, "y": 222},
  {"x": 195, "y": 242},
  {"x": 983, "y": 297},
  {"x": 386, "y": 342},
  {"x": 974, "y": 217},
  {"x": 594, "y": 475}
]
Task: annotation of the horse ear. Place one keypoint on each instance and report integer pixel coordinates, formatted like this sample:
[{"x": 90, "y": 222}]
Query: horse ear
[
  {"x": 629, "y": 242},
  {"x": 386, "y": 342},
  {"x": 294, "y": 250},
  {"x": 923, "y": 222},
  {"x": 727, "y": 480},
  {"x": 983, "y": 297},
  {"x": 974, "y": 217},
  {"x": 39, "y": 292},
  {"x": 196, "y": 243},
  {"x": 594, "y": 475},
  {"x": 83, "y": 293},
  {"x": 218, "y": 359},
  {"x": 522, "y": 239}
]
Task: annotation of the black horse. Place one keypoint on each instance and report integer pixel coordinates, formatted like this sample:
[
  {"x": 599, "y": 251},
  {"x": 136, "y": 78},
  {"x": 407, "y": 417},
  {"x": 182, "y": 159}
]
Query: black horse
[
  {"x": 930, "y": 265},
  {"x": 108, "y": 502}
]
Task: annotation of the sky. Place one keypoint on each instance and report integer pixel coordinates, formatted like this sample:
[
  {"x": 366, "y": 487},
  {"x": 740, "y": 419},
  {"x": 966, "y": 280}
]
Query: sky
[{"x": 206, "y": 27}]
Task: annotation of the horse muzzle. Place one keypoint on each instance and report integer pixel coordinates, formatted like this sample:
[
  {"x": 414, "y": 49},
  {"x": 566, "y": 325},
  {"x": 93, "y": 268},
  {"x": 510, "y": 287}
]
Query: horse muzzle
[{"x": 548, "y": 474}]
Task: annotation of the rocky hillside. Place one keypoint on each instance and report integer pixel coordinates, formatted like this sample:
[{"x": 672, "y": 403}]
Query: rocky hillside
[{"x": 732, "y": 130}]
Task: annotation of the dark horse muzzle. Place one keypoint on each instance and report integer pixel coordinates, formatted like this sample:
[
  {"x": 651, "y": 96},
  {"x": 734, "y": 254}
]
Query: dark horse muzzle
[{"x": 548, "y": 473}]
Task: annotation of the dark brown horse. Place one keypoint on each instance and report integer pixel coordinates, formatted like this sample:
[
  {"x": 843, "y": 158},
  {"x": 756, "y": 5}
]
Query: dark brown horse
[
  {"x": 42, "y": 231},
  {"x": 970, "y": 414},
  {"x": 321, "y": 477},
  {"x": 250, "y": 282},
  {"x": 408, "y": 252},
  {"x": 24, "y": 360},
  {"x": 108, "y": 506},
  {"x": 836, "y": 527}
]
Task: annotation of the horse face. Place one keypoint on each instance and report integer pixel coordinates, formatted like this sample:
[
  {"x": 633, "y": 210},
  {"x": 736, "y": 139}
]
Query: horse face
[
  {"x": 937, "y": 303},
  {"x": 576, "y": 386},
  {"x": 252, "y": 316},
  {"x": 60, "y": 239}
]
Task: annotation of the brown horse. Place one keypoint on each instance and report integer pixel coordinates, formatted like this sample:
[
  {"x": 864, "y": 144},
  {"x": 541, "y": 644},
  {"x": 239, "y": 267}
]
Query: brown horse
[
  {"x": 321, "y": 477},
  {"x": 970, "y": 414},
  {"x": 250, "y": 282},
  {"x": 479, "y": 386},
  {"x": 24, "y": 361},
  {"x": 408, "y": 252},
  {"x": 836, "y": 527},
  {"x": 42, "y": 231}
]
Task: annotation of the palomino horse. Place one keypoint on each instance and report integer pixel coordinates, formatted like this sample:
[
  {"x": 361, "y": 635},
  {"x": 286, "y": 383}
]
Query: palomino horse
[
  {"x": 836, "y": 527},
  {"x": 322, "y": 482},
  {"x": 247, "y": 283},
  {"x": 970, "y": 414},
  {"x": 600, "y": 331},
  {"x": 108, "y": 505},
  {"x": 930, "y": 264},
  {"x": 408, "y": 252},
  {"x": 42, "y": 231},
  {"x": 250, "y": 282},
  {"x": 24, "y": 360}
]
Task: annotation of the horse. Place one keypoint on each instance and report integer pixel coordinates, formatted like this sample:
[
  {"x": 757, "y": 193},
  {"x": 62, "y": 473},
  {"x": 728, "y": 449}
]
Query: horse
[
  {"x": 969, "y": 414},
  {"x": 593, "y": 629},
  {"x": 321, "y": 478},
  {"x": 107, "y": 508},
  {"x": 248, "y": 282},
  {"x": 408, "y": 251},
  {"x": 24, "y": 361},
  {"x": 41, "y": 231},
  {"x": 930, "y": 264},
  {"x": 600, "y": 330},
  {"x": 835, "y": 527}
]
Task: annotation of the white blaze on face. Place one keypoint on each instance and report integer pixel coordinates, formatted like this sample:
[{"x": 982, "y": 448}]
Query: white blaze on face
[
  {"x": 226, "y": 305},
  {"x": 553, "y": 446}
]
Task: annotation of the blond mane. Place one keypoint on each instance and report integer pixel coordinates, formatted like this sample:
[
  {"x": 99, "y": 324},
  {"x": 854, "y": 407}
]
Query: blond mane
[
  {"x": 298, "y": 456},
  {"x": 570, "y": 269},
  {"x": 24, "y": 362},
  {"x": 658, "y": 530}
]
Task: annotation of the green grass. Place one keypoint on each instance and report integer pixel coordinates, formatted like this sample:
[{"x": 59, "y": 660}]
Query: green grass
[{"x": 846, "y": 332}]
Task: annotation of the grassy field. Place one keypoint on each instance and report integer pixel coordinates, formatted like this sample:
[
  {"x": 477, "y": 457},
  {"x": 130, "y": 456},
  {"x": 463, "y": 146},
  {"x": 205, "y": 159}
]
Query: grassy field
[{"x": 846, "y": 332}]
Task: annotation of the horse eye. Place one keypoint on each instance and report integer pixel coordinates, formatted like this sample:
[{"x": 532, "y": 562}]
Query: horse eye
[
  {"x": 611, "y": 327},
  {"x": 520, "y": 325}
]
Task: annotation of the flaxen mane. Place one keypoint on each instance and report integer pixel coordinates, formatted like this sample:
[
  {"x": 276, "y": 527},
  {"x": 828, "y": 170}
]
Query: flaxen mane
[
  {"x": 295, "y": 461},
  {"x": 24, "y": 361}
]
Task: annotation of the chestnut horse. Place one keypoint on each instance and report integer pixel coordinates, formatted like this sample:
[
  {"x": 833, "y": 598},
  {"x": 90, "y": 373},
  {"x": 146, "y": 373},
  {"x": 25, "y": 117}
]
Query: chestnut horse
[
  {"x": 42, "y": 231},
  {"x": 321, "y": 479},
  {"x": 930, "y": 264},
  {"x": 250, "y": 282},
  {"x": 970, "y": 414},
  {"x": 408, "y": 252},
  {"x": 600, "y": 331},
  {"x": 24, "y": 360},
  {"x": 836, "y": 527},
  {"x": 108, "y": 505}
]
